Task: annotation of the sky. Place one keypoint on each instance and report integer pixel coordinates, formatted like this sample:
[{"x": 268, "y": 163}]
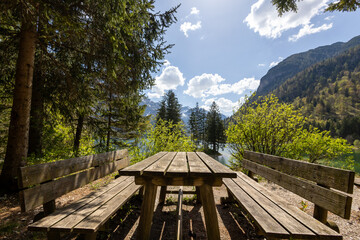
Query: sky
[{"x": 223, "y": 48}]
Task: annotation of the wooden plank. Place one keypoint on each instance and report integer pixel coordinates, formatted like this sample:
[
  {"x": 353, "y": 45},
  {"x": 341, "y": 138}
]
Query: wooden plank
[
  {"x": 45, "y": 223},
  {"x": 263, "y": 219},
  {"x": 322, "y": 231},
  {"x": 178, "y": 167},
  {"x": 340, "y": 179},
  {"x": 196, "y": 166},
  {"x": 138, "y": 168},
  {"x": 35, "y": 174},
  {"x": 216, "y": 168},
  {"x": 210, "y": 213},
  {"x": 159, "y": 167},
  {"x": 147, "y": 211},
  {"x": 95, "y": 220},
  {"x": 336, "y": 202},
  {"x": 180, "y": 181},
  {"x": 40, "y": 194},
  {"x": 294, "y": 227},
  {"x": 69, "y": 222}
]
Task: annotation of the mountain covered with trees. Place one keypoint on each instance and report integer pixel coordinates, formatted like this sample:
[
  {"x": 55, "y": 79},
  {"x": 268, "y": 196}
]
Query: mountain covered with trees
[
  {"x": 327, "y": 91},
  {"x": 296, "y": 63}
]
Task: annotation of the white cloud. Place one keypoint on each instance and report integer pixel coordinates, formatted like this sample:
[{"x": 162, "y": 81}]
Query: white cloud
[
  {"x": 264, "y": 19},
  {"x": 166, "y": 63},
  {"x": 188, "y": 26},
  {"x": 209, "y": 85},
  {"x": 309, "y": 29},
  {"x": 226, "y": 106},
  {"x": 273, "y": 64},
  {"x": 329, "y": 18},
  {"x": 194, "y": 11},
  {"x": 199, "y": 85},
  {"x": 261, "y": 64},
  {"x": 170, "y": 78}
]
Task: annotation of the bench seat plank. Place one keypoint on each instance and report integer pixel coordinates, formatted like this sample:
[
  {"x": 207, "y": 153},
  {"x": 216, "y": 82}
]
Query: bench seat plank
[
  {"x": 321, "y": 230},
  {"x": 267, "y": 224},
  {"x": 45, "y": 223},
  {"x": 93, "y": 222},
  {"x": 69, "y": 222},
  {"x": 294, "y": 227},
  {"x": 335, "y": 201}
]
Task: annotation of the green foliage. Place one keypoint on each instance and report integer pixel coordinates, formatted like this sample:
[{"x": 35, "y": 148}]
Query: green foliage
[
  {"x": 357, "y": 143},
  {"x": 266, "y": 126},
  {"x": 197, "y": 124},
  {"x": 164, "y": 136},
  {"x": 275, "y": 128},
  {"x": 169, "y": 108},
  {"x": 283, "y": 6},
  {"x": 214, "y": 128}
]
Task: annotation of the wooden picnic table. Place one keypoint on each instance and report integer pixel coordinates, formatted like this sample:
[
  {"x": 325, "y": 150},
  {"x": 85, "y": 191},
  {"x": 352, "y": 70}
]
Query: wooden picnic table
[{"x": 179, "y": 169}]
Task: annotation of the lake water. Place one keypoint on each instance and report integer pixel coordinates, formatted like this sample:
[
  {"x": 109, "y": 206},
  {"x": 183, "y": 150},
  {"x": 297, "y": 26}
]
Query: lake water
[{"x": 225, "y": 156}]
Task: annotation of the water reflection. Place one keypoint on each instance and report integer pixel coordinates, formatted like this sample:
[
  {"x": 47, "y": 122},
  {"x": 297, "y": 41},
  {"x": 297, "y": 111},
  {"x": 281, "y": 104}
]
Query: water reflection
[{"x": 224, "y": 156}]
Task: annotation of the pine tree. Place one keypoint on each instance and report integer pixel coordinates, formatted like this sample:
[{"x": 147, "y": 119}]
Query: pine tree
[
  {"x": 214, "y": 128},
  {"x": 169, "y": 108},
  {"x": 173, "y": 108}
]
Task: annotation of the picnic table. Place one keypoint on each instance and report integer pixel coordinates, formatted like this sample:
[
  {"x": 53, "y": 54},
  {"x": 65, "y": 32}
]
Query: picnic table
[{"x": 179, "y": 169}]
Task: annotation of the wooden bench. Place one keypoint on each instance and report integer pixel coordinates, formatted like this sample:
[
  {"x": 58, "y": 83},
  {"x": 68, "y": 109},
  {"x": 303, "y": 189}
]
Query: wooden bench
[
  {"x": 43, "y": 183},
  {"x": 326, "y": 187}
]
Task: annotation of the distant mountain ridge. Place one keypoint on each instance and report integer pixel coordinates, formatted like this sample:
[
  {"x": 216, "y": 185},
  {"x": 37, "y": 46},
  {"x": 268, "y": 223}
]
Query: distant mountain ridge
[
  {"x": 152, "y": 107},
  {"x": 326, "y": 91},
  {"x": 296, "y": 63}
]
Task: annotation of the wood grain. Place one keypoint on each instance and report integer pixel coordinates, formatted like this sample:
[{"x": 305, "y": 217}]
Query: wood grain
[
  {"x": 47, "y": 222},
  {"x": 196, "y": 166},
  {"x": 210, "y": 213},
  {"x": 159, "y": 167},
  {"x": 265, "y": 222},
  {"x": 340, "y": 179},
  {"x": 40, "y": 194},
  {"x": 294, "y": 227},
  {"x": 334, "y": 201},
  {"x": 39, "y": 173},
  {"x": 321, "y": 230},
  {"x": 216, "y": 168},
  {"x": 178, "y": 167},
  {"x": 138, "y": 168}
]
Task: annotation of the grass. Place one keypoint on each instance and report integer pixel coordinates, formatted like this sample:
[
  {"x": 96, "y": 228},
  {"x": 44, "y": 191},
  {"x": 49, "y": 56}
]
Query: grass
[{"x": 339, "y": 162}]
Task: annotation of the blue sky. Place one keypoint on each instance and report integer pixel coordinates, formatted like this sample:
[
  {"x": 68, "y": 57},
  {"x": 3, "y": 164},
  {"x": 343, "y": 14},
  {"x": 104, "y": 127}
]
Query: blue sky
[{"x": 223, "y": 48}]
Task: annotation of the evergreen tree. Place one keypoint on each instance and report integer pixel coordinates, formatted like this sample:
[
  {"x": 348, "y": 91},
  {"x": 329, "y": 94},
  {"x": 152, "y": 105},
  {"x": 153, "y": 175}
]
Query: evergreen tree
[
  {"x": 214, "y": 128},
  {"x": 173, "y": 108},
  {"x": 169, "y": 108},
  {"x": 197, "y": 124}
]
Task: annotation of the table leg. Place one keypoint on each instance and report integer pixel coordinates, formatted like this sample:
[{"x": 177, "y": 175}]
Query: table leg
[
  {"x": 162, "y": 194},
  {"x": 211, "y": 220},
  {"x": 147, "y": 211}
]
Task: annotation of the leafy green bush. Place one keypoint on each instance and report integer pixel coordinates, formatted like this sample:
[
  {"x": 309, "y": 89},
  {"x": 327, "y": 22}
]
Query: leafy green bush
[
  {"x": 271, "y": 127},
  {"x": 165, "y": 136}
]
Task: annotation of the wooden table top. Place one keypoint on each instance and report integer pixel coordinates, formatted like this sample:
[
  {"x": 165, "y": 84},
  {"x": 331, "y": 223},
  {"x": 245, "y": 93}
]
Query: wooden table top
[{"x": 179, "y": 164}]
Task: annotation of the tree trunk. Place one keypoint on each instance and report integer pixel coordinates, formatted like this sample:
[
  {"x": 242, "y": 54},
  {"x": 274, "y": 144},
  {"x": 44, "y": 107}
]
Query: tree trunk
[
  {"x": 109, "y": 131},
  {"x": 17, "y": 146},
  {"x": 36, "y": 114},
  {"x": 79, "y": 129}
]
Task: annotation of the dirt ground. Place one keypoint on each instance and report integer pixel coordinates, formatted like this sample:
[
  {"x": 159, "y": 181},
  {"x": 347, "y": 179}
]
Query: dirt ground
[{"x": 233, "y": 223}]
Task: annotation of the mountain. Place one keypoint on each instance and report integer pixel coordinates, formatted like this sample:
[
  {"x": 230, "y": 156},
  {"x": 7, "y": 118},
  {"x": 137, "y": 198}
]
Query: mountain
[
  {"x": 327, "y": 92},
  {"x": 296, "y": 63},
  {"x": 152, "y": 107}
]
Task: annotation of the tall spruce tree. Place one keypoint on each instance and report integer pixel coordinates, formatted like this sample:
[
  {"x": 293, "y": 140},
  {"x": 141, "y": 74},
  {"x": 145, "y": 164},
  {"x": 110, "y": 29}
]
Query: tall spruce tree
[
  {"x": 214, "y": 128},
  {"x": 197, "y": 122},
  {"x": 169, "y": 108}
]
